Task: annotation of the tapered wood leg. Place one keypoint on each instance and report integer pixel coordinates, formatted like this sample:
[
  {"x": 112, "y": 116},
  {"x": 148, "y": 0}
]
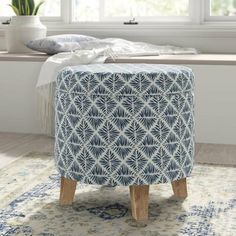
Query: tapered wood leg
[
  {"x": 139, "y": 196},
  {"x": 67, "y": 192},
  {"x": 180, "y": 188}
]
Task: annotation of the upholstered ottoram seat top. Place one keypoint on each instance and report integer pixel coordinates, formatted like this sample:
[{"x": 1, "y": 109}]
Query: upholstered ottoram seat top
[{"x": 124, "y": 124}]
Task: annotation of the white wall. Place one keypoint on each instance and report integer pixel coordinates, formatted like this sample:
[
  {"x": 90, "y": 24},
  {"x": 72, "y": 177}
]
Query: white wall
[
  {"x": 215, "y": 100},
  {"x": 206, "y": 40},
  {"x": 215, "y": 104},
  {"x": 2, "y": 43},
  {"x": 18, "y": 102}
]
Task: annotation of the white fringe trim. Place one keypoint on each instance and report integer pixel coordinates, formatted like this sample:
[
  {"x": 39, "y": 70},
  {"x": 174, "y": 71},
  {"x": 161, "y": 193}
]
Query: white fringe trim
[{"x": 46, "y": 113}]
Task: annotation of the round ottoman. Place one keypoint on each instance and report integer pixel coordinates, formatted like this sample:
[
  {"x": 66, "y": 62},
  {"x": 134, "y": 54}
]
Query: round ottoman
[{"x": 127, "y": 125}]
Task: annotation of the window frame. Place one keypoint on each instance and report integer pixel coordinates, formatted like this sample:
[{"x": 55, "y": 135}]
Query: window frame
[
  {"x": 194, "y": 17},
  {"x": 199, "y": 14},
  {"x": 160, "y": 19}
]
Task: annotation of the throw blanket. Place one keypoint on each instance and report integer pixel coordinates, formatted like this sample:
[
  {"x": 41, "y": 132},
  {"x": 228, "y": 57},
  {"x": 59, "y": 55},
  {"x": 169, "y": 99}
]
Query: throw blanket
[{"x": 90, "y": 54}]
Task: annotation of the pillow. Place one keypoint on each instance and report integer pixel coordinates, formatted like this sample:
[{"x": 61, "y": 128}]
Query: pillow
[{"x": 59, "y": 43}]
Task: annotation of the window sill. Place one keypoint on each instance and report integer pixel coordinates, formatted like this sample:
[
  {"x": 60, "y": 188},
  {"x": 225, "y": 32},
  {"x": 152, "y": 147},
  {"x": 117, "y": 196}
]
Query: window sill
[
  {"x": 30, "y": 57},
  {"x": 200, "y": 59}
]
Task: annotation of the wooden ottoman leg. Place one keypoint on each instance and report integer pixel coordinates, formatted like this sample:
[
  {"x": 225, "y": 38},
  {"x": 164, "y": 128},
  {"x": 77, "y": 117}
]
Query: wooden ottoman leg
[
  {"x": 180, "y": 188},
  {"x": 67, "y": 193},
  {"x": 139, "y": 196}
]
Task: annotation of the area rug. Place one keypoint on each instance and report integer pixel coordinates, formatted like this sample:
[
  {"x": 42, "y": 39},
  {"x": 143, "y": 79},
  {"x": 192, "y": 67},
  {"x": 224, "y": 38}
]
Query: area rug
[{"x": 29, "y": 190}]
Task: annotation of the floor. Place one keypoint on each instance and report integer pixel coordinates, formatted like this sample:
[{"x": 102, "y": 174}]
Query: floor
[{"x": 13, "y": 146}]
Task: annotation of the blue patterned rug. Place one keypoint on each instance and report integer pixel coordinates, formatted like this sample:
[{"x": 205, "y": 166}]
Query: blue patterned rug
[{"x": 29, "y": 190}]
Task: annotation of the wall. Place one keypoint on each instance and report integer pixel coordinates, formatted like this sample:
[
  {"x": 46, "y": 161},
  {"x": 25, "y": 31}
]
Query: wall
[
  {"x": 205, "y": 39},
  {"x": 215, "y": 100},
  {"x": 215, "y": 104},
  {"x": 2, "y": 43},
  {"x": 18, "y": 101}
]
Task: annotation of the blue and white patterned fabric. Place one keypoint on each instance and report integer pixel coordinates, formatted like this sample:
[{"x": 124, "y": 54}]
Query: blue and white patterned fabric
[{"x": 125, "y": 124}]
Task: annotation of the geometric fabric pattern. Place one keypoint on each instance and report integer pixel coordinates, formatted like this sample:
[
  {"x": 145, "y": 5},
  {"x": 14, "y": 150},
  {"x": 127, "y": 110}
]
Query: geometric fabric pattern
[{"x": 124, "y": 124}]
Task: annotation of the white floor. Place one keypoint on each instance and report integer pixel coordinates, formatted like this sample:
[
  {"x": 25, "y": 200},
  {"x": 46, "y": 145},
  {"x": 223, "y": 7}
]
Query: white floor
[{"x": 13, "y": 146}]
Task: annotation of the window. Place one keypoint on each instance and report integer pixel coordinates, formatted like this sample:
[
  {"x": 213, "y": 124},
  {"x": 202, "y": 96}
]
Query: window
[
  {"x": 223, "y": 8},
  {"x": 118, "y": 10},
  {"x": 83, "y": 11},
  {"x": 51, "y": 8},
  {"x": 220, "y": 10}
]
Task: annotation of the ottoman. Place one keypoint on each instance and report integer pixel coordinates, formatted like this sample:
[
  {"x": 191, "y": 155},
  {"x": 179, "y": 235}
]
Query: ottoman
[{"x": 126, "y": 125}]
